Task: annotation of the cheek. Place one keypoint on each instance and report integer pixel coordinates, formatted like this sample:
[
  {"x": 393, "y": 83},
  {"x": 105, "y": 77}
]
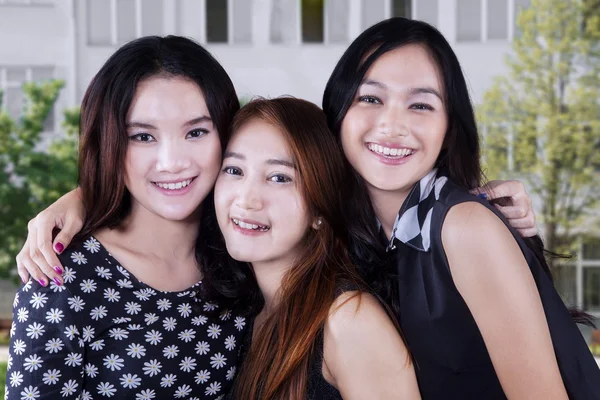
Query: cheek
[
  {"x": 136, "y": 164},
  {"x": 209, "y": 156}
]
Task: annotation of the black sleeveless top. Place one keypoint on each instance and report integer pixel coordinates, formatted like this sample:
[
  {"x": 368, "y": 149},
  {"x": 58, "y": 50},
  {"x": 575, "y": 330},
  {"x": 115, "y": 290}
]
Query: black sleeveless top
[{"x": 451, "y": 360}]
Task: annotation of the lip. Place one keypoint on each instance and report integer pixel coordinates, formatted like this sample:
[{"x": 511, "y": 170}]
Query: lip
[
  {"x": 175, "y": 192},
  {"x": 248, "y": 232},
  {"x": 390, "y": 160}
]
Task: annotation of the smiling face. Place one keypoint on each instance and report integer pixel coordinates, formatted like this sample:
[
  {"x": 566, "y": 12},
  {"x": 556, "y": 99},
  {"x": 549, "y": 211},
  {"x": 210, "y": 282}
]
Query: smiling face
[
  {"x": 394, "y": 130},
  {"x": 258, "y": 201},
  {"x": 174, "y": 152}
]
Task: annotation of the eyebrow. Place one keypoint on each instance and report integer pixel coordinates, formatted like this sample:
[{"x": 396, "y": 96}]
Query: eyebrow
[
  {"x": 272, "y": 161},
  {"x": 412, "y": 91},
  {"x": 145, "y": 125}
]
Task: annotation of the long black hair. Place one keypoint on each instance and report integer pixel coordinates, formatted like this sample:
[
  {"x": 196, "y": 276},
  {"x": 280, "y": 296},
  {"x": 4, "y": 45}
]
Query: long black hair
[{"x": 459, "y": 158}]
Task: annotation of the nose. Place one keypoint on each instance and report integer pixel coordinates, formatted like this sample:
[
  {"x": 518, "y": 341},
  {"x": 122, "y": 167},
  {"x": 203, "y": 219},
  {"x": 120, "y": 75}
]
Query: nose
[
  {"x": 172, "y": 157},
  {"x": 393, "y": 122},
  {"x": 249, "y": 197}
]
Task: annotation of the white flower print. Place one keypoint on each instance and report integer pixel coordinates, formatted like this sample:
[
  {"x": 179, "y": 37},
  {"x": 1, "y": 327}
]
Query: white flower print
[
  {"x": 169, "y": 323},
  {"x": 78, "y": 258},
  {"x": 214, "y": 331},
  {"x": 54, "y": 316},
  {"x": 134, "y": 327},
  {"x": 136, "y": 350},
  {"x": 113, "y": 362},
  {"x": 92, "y": 245},
  {"x": 230, "y": 373},
  {"x": 202, "y": 348},
  {"x": 85, "y": 395},
  {"x": 187, "y": 335},
  {"x": 213, "y": 388},
  {"x": 183, "y": 294},
  {"x": 225, "y": 315},
  {"x": 168, "y": 380},
  {"x": 150, "y": 318},
  {"x": 183, "y": 391},
  {"x": 91, "y": 370},
  {"x": 81, "y": 342},
  {"x": 124, "y": 284},
  {"x": 19, "y": 347},
  {"x": 112, "y": 295},
  {"x": 151, "y": 368},
  {"x": 121, "y": 320},
  {"x": 88, "y": 333},
  {"x": 54, "y": 345},
  {"x": 22, "y": 314},
  {"x": 209, "y": 306},
  {"x": 146, "y": 394},
  {"x": 123, "y": 271},
  {"x": 118, "y": 333},
  {"x": 51, "y": 377},
  {"x": 217, "y": 361},
  {"x": 71, "y": 331},
  {"x": 163, "y": 304},
  {"x": 69, "y": 388},
  {"x": 130, "y": 381},
  {"x": 185, "y": 310},
  {"x": 76, "y": 303},
  {"x": 106, "y": 389},
  {"x": 144, "y": 294},
  {"x": 35, "y": 330},
  {"x": 240, "y": 322},
  {"x": 73, "y": 359},
  {"x": 38, "y": 300},
  {"x": 30, "y": 392},
  {"x": 203, "y": 376},
  {"x": 16, "y": 300},
  {"x": 132, "y": 308},
  {"x": 171, "y": 351},
  {"x": 13, "y": 329},
  {"x": 98, "y": 313},
  {"x": 97, "y": 345},
  {"x": 153, "y": 337},
  {"x": 33, "y": 363},
  {"x": 230, "y": 342},
  {"x": 16, "y": 378},
  {"x": 199, "y": 320},
  {"x": 103, "y": 273},
  {"x": 56, "y": 288},
  {"x": 188, "y": 364},
  {"x": 88, "y": 286},
  {"x": 27, "y": 286},
  {"x": 9, "y": 362}
]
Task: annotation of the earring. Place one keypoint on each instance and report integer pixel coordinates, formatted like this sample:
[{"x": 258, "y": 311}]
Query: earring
[{"x": 319, "y": 222}]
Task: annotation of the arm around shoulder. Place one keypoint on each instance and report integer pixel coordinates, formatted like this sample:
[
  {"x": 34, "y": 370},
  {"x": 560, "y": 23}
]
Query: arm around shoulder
[
  {"x": 364, "y": 355},
  {"x": 493, "y": 277}
]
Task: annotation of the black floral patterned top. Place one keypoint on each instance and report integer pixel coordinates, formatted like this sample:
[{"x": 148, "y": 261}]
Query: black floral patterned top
[{"x": 105, "y": 334}]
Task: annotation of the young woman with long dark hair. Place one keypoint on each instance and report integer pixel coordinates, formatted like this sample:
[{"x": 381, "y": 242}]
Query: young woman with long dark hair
[{"x": 475, "y": 301}]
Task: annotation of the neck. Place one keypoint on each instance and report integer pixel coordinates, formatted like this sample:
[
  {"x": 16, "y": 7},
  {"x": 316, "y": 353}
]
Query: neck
[
  {"x": 387, "y": 204},
  {"x": 269, "y": 277}
]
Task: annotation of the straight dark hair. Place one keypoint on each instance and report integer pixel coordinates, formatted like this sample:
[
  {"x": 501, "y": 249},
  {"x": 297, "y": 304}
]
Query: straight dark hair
[{"x": 459, "y": 158}]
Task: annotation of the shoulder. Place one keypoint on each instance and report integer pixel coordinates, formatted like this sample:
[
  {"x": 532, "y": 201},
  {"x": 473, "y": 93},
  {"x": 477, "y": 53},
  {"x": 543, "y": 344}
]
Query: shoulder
[{"x": 353, "y": 307}]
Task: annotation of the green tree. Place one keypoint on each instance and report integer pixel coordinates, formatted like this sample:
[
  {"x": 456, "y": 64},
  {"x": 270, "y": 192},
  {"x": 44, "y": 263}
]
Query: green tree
[
  {"x": 31, "y": 176},
  {"x": 542, "y": 120}
]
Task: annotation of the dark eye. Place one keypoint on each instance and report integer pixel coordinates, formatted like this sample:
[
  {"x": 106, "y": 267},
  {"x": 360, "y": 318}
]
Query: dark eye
[
  {"x": 142, "y": 137},
  {"x": 422, "y": 107},
  {"x": 232, "y": 171},
  {"x": 280, "y": 178},
  {"x": 196, "y": 133},
  {"x": 370, "y": 99}
]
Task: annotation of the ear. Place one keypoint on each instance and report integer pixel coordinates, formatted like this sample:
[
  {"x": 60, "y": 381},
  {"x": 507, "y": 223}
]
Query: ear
[{"x": 318, "y": 223}]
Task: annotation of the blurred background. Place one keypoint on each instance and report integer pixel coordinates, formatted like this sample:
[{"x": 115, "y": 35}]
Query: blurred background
[{"x": 533, "y": 67}]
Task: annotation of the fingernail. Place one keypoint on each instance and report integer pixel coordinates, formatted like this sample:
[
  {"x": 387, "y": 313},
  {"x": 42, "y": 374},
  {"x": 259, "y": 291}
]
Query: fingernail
[
  {"x": 57, "y": 281},
  {"x": 58, "y": 269},
  {"x": 482, "y": 196},
  {"x": 24, "y": 281},
  {"x": 42, "y": 282},
  {"x": 59, "y": 247}
]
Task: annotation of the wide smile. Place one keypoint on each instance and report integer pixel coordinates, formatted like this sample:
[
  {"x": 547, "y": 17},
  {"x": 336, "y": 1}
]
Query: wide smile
[
  {"x": 390, "y": 155},
  {"x": 175, "y": 187},
  {"x": 249, "y": 227}
]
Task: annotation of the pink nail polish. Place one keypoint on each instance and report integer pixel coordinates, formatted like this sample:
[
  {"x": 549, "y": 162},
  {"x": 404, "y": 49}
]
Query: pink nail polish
[
  {"x": 24, "y": 281},
  {"x": 58, "y": 269},
  {"x": 57, "y": 281},
  {"x": 42, "y": 282},
  {"x": 59, "y": 247}
]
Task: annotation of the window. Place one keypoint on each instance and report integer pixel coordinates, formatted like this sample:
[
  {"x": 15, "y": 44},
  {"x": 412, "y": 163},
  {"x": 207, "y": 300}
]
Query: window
[
  {"x": 242, "y": 21},
  {"x": 216, "y": 21},
  {"x": 152, "y": 17},
  {"x": 312, "y": 21},
  {"x": 27, "y": 2},
  {"x": 373, "y": 11},
  {"x": 99, "y": 23},
  {"x": 401, "y": 8},
  {"x": 337, "y": 17},
  {"x": 427, "y": 10},
  {"x": 468, "y": 20},
  {"x": 11, "y": 83},
  {"x": 285, "y": 21},
  {"x": 497, "y": 19},
  {"x": 591, "y": 289},
  {"x": 126, "y": 21}
]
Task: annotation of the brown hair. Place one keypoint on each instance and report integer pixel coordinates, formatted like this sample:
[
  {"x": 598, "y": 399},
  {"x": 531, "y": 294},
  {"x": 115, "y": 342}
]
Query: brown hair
[
  {"x": 103, "y": 141},
  {"x": 278, "y": 362}
]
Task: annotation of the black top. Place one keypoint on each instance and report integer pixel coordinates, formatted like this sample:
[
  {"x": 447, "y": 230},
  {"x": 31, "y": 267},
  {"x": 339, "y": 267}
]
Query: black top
[
  {"x": 451, "y": 360},
  {"x": 107, "y": 334}
]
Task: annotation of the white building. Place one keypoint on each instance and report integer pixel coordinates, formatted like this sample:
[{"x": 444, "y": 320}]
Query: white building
[{"x": 269, "y": 48}]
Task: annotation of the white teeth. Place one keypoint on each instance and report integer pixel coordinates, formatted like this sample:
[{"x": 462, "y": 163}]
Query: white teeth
[
  {"x": 244, "y": 225},
  {"x": 389, "y": 151},
  {"x": 174, "y": 185}
]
